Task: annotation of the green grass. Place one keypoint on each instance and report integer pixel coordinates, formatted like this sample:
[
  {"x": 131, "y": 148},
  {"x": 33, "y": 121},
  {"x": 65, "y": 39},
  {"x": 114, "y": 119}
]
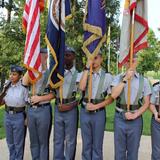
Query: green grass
[
  {"x": 2, "y": 130},
  {"x": 110, "y": 119},
  {"x": 110, "y": 110},
  {"x": 109, "y": 122},
  {"x": 147, "y": 123}
]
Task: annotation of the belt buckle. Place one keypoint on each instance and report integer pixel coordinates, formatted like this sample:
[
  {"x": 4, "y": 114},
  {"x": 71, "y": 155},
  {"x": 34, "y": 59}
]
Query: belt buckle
[
  {"x": 11, "y": 112},
  {"x": 35, "y": 106},
  {"x": 95, "y": 111}
]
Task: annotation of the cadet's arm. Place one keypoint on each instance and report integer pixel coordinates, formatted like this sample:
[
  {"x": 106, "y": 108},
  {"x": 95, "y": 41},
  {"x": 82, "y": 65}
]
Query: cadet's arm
[
  {"x": 25, "y": 79},
  {"x": 2, "y": 102},
  {"x": 152, "y": 108},
  {"x": 106, "y": 102},
  {"x": 116, "y": 91},
  {"x": 37, "y": 99},
  {"x": 47, "y": 97},
  {"x": 144, "y": 107},
  {"x": 83, "y": 81},
  {"x": 3, "y": 93}
]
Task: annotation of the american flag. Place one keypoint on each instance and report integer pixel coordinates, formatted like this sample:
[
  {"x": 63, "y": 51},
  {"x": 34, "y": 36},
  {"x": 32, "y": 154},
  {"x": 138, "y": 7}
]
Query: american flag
[{"x": 31, "y": 25}]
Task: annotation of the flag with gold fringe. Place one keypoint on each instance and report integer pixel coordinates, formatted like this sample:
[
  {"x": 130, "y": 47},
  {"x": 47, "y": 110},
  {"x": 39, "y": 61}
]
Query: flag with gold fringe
[
  {"x": 55, "y": 39},
  {"x": 94, "y": 27}
]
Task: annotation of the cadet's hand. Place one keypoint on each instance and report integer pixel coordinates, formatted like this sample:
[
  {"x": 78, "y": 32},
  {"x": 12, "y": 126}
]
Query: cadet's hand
[
  {"x": 89, "y": 62},
  {"x": 35, "y": 99},
  {"x": 156, "y": 117},
  {"x": 91, "y": 107},
  {"x": 131, "y": 116},
  {"x": 129, "y": 74}
]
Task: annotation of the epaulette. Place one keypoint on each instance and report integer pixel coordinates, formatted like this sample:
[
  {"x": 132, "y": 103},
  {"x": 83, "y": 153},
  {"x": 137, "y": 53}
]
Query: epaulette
[
  {"x": 156, "y": 83},
  {"x": 24, "y": 85}
]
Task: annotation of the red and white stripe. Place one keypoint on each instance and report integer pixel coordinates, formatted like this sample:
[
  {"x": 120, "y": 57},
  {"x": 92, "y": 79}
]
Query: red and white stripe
[
  {"x": 31, "y": 23},
  {"x": 25, "y": 15}
]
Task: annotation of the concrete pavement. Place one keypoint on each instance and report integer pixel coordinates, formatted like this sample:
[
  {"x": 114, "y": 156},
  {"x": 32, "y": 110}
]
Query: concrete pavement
[{"x": 108, "y": 148}]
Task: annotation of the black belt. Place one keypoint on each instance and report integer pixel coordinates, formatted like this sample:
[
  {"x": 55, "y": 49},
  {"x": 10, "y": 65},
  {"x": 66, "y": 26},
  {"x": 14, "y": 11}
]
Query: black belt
[
  {"x": 39, "y": 105},
  {"x": 64, "y": 101},
  {"x": 131, "y": 107},
  {"x": 94, "y": 101},
  {"x": 13, "y": 109},
  {"x": 94, "y": 111}
]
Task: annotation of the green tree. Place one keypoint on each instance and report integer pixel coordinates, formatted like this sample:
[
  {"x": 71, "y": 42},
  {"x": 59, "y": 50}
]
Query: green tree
[
  {"x": 12, "y": 38},
  {"x": 149, "y": 59}
]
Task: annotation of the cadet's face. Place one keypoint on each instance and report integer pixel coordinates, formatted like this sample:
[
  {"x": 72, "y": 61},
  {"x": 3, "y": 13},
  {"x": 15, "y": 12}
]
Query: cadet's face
[
  {"x": 97, "y": 61},
  {"x": 69, "y": 58},
  {"x": 14, "y": 77},
  {"x": 134, "y": 63}
]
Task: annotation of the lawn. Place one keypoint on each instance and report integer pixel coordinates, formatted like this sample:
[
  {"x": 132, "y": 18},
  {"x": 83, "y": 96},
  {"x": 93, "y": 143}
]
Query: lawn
[
  {"x": 109, "y": 124},
  {"x": 2, "y": 131}
]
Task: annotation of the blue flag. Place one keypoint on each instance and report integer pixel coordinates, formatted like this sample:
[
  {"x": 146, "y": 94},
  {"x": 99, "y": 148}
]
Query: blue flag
[
  {"x": 67, "y": 9},
  {"x": 94, "y": 27},
  {"x": 55, "y": 39}
]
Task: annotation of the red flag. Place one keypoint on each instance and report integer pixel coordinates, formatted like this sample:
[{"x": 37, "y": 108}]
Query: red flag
[{"x": 31, "y": 24}]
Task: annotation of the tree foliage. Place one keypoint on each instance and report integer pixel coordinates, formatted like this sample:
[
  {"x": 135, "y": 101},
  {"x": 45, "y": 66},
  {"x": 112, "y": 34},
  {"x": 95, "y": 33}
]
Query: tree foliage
[
  {"x": 12, "y": 38},
  {"x": 149, "y": 59}
]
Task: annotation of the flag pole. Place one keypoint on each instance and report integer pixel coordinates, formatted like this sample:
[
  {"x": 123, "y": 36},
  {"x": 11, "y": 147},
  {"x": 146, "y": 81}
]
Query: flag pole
[
  {"x": 117, "y": 63},
  {"x": 33, "y": 89},
  {"x": 109, "y": 47},
  {"x": 90, "y": 84},
  {"x": 131, "y": 60},
  {"x": 61, "y": 87}
]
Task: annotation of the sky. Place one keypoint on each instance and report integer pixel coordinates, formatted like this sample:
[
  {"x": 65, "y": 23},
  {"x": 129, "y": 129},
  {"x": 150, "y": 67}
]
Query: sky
[{"x": 153, "y": 15}]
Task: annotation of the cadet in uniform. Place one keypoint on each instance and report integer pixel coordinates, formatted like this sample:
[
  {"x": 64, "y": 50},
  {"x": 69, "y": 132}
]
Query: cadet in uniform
[
  {"x": 66, "y": 113},
  {"x": 39, "y": 113},
  {"x": 155, "y": 123},
  {"x": 15, "y": 101},
  {"x": 92, "y": 121},
  {"x": 128, "y": 125}
]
